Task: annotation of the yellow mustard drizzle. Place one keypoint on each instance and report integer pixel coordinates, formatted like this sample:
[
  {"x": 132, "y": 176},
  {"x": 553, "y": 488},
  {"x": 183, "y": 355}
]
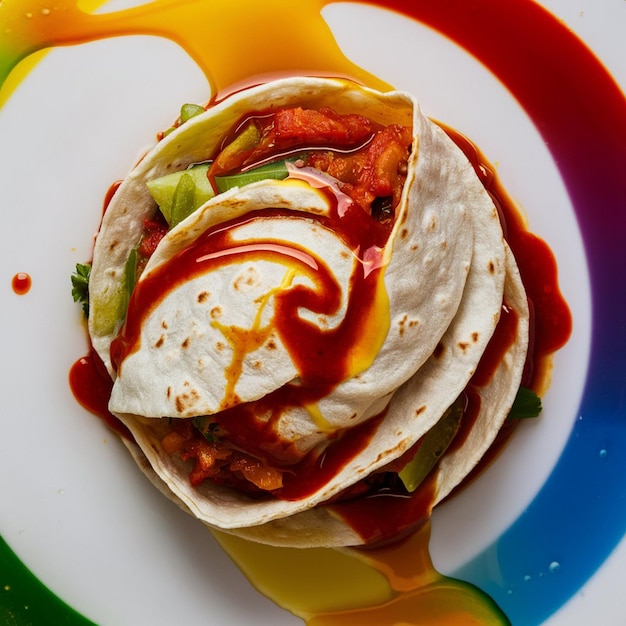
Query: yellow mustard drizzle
[{"x": 244, "y": 341}]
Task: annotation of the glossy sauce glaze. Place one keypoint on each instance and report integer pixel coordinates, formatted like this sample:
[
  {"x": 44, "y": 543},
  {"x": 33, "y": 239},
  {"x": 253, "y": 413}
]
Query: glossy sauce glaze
[
  {"x": 429, "y": 598},
  {"x": 21, "y": 283}
]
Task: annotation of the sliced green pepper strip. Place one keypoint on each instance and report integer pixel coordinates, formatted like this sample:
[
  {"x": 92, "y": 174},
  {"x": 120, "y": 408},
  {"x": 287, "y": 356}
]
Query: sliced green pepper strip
[
  {"x": 434, "y": 443},
  {"x": 130, "y": 272},
  {"x": 187, "y": 111},
  {"x": 163, "y": 189},
  {"x": 183, "y": 203},
  {"x": 274, "y": 171}
]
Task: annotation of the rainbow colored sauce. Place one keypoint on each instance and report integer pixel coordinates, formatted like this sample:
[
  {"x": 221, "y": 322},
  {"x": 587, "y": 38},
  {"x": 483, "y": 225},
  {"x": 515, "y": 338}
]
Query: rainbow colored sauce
[{"x": 391, "y": 584}]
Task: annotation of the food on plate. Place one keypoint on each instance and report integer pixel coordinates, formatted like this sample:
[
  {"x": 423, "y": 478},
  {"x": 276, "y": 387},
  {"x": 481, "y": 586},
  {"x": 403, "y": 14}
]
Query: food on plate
[{"x": 303, "y": 294}]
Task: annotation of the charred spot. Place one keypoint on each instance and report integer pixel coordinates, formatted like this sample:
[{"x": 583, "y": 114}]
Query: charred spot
[
  {"x": 160, "y": 341},
  {"x": 248, "y": 278},
  {"x": 216, "y": 312},
  {"x": 420, "y": 410},
  {"x": 438, "y": 351},
  {"x": 401, "y": 324},
  {"x": 164, "y": 325},
  {"x": 169, "y": 392},
  {"x": 113, "y": 245},
  {"x": 219, "y": 346},
  {"x": 203, "y": 297},
  {"x": 382, "y": 208},
  {"x": 404, "y": 233},
  {"x": 186, "y": 400},
  {"x": 271, "y": 345},
  {"x": 185, "y": 344},
  {"x": 475, "y": 337},
  {"x": 492, "y": 267},
  {"x": 463, "y": 345}
]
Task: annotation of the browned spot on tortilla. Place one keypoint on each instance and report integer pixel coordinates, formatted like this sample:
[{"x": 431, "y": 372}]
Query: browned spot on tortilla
[
  {"x": 463, "y": 345},
  {"x": 271, "y": 345},
  {"x": 186, "y": 400},
  {"x": 475, "y": 337},
  {"x": 404, "y": 233},
  {"x": 401, "y": 324},
  {"x": 248, "y": 278},
  {"x": 438, "y": 351},
  {"x": 492, "y": 267},
  {"x": 414, "y": 247},
  {"x": 444, "y": 245},
  {"x": 160, "y": 342},
  {"x": 185, "y": 344},
  {"x": 164, "y": 325},
  {"x": 219, "y": 346},
  {"x": 420, "y": 410},
  {"x": 257, "y": 365},
  {"x": 169, "y": 392},
  {"x": 203, "y": 296},
  {"x": 113, "y": 245},
  {"x": 216, "y": 312},
  {"x": 344, "y": 255},
  {"x": 413, "y": 323},
  {"x": 432, "y": 225}
]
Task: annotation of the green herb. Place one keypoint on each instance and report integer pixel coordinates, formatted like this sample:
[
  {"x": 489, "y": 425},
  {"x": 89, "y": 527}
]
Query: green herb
[
  {"x": 210, "y": 430},
  {"x": 80, "y": 285},
  {"x": 526, "y": 404}
]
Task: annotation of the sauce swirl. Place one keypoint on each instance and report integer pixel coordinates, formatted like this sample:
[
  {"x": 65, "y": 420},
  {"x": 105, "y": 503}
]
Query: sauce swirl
[{"x": 285, "y": 26}]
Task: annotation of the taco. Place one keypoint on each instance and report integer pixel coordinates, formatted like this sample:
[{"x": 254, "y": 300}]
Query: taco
[{"x": 290, "y": 291}]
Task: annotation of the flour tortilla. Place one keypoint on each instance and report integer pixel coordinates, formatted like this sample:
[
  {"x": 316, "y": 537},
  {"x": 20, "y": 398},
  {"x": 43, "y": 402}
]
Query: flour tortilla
[{"x": 446, "y": 263}]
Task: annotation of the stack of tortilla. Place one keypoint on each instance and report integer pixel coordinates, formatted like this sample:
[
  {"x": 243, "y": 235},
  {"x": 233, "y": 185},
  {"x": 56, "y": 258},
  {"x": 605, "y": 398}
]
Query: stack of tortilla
[{"x": 446, "y": 274}]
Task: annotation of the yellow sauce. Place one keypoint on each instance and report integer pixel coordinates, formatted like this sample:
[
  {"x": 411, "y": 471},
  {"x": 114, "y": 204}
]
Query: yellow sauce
[{"x": 395, "y": 585}]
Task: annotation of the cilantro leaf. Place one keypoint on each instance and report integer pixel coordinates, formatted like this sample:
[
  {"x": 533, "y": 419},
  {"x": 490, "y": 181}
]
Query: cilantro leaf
[
  {"x": 526, "y": 404},
  {"x": 80, "y": 285}
]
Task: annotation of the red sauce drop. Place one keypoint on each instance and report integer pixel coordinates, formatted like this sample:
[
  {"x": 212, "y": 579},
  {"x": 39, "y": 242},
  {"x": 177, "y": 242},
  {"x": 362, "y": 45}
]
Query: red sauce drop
[
  {"x": 21, "y": 283},
  {"x": 91, "y": 385}
]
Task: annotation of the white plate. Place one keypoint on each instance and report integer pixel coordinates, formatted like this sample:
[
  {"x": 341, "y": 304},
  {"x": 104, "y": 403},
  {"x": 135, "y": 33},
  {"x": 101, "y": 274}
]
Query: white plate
[{"x": 75, "y": 509}]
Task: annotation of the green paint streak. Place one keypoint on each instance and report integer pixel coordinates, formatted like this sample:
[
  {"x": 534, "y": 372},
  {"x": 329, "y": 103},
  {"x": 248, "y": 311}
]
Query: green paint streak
[{"x": 25, "y": 601}]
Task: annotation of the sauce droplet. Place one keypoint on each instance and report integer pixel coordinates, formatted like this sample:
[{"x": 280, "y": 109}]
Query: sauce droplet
[{"x": 21, "y": 283}]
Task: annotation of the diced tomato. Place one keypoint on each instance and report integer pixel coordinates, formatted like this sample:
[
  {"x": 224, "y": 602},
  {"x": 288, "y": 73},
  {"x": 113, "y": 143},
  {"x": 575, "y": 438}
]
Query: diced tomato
[
  {"x": 300, "y": 126},
  {"x": 263, "y": 476},
  {"x": 209, "y": 459},
  {"x": 154, "y": 231}
]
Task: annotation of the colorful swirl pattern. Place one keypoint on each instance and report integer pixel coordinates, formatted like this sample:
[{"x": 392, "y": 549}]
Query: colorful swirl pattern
[{"x": 579, "y": 514}]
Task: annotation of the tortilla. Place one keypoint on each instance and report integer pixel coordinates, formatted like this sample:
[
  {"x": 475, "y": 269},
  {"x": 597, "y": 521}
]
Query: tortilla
[{"x": 444, "y": 274}]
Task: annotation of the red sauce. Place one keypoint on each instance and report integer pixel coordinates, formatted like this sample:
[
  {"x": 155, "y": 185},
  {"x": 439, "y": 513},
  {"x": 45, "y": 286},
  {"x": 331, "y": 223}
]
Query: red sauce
[
  {"x": 551, "y": 319},
  {"x": 386, "y": 515},
  {"x": 91, "y": 386},
  {"x": 244, "y": 429},
  {"x": 21, "y": 283}
]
